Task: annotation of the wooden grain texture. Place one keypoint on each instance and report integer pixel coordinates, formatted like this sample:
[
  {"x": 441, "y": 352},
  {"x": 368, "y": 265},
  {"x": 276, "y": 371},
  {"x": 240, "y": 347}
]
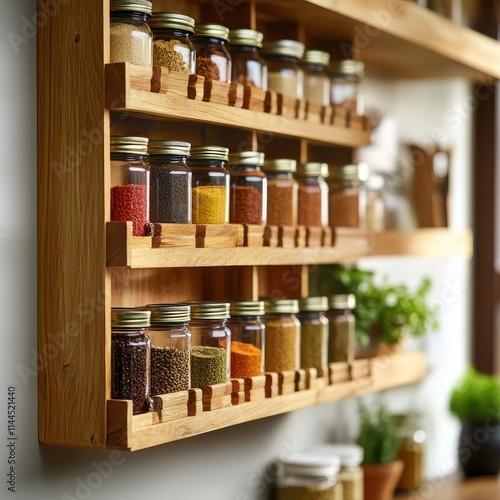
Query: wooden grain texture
[{"x": 73, "y": 184}]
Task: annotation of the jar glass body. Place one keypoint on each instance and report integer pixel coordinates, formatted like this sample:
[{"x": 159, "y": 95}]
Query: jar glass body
[
  {"x": 130, "y": 187},
  {"x": 213, "y": 61},
  {"x": 247, "y": 346},
  {"x": 282, "y": 199},
  {"x": 170, "y": 189},
  {"x": 210, "y": 352},
  {"x": 170, "y": 358},
  {"x": 313, "y": 340},
  {"x": 316, "y": 84},
  {"x": 248, "y": 195},
  {"x": 210, "y": 192},
  {"x": 372, "y": 210},
  {"x": 282, "y": 350},
  {"x": 131, "y": 38},
  {"x": 351, "y": 478},
  {"x": 247, "y": 67},
  {"x": 173, "y": 49},
  {"x": 411, "y": 454},
  {"x": 292, "y": 486},
  {"x": 130, "y": 361},
  {"x": 347, "y": 92},
  {"x": 312, "y": 201},
  {"x": 285, "y": 76},
  {"x": 341, "y": 335},
  {"x": 343, "y": 203}
]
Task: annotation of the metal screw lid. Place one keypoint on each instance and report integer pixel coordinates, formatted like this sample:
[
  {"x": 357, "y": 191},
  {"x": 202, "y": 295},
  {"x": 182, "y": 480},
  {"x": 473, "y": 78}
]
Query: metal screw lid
[
  {"x": 348, "y": 67},
  {"x": 312, "y": 169},
  {"x": 285, "y": 306},
  {"x": 318, "y": 57},
  {"x": 169, "y": 313},
  {"x": 172, "y": 21},
  {"x": 247, "y": 158},
  {"x": 209, "y": 310},
  {"x": 137, "y": 145},
  {"x": 176, "y": 148},
  {"x": 280, "y": 165},
  {"x": 123, "y": 317},
  {"x": 344, "y": 172},
  {"x": 313, "y": 304},
  {"x": 247, "y": 37},
  {"x": 142, "y": 6},
  {"x": 290, "y": 48},
  {"x": 342, "y": 301},
  {"x": 211, "y": 31},
  {"x": 209, "y": 153},
  {"x": 247, "y": 308}
]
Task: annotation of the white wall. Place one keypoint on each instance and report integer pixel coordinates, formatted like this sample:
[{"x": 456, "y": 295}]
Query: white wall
[{"x": 225, "y": 465}]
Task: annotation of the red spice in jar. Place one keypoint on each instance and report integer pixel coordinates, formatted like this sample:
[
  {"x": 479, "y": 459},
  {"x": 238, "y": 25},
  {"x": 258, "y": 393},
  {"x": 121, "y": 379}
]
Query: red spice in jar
[
  {"x": 246, "y": 205},
  {"x": 129, "y": 203},
  {"x": 246, "y": 360}
]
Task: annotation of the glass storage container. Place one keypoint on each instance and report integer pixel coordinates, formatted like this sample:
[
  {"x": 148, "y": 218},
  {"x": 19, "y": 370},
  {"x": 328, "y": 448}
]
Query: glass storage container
[
  {"x": 170, "y": 182},
  {"x": 309, "y": 477},
  {"x": 130, "y": 182},
  {"x": 343, "y": 196},
  {"x": 313, "y": 194},
  {"x": 282, "y": 348},
  {"x": 342, "y": 328},
  {"x": 247, "y": 67},
  {"x": 247, "y": 338},
  {"x": 210, "y": 343},
  {"x": 213, "y": 61},
  {"x": 313, "y": 333},
  {"x": 170, "y": 348},
  {"x": 347, "y": 85},
  {"x": 316, "y": 79},
  {"x": 130, "y": 357},
  {"x": 130, "y": 37},
  {"x": 172, "y": 46},
  {"x": 284, "y": 74},
  {"x": 371, "y": 203},
  {"x": 282, "y": 192},
  {"x": 210, "y": 184},
  {"x": 248, "y": 193}
]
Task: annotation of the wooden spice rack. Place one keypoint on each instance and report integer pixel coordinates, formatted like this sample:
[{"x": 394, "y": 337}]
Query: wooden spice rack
[{"x": 88, "y": 265}]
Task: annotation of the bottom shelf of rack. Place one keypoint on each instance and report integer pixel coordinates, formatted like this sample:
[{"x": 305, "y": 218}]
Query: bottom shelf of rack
[{"x": 196, "y": 412}]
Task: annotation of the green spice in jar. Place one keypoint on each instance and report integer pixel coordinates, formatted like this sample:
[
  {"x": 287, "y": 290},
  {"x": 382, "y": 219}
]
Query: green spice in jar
[
  {"x": 208, "y": 366},
  {"x": 342, "y": 325}
]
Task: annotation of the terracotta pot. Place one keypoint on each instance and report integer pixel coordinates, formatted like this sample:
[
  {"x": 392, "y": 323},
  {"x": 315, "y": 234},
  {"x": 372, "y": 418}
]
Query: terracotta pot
[{"x": 380, "y": 480}]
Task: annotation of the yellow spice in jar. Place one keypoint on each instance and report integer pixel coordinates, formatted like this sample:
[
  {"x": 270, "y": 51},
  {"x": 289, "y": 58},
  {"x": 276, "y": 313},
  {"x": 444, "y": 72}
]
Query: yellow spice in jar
[{"x": 210, "y": 205}]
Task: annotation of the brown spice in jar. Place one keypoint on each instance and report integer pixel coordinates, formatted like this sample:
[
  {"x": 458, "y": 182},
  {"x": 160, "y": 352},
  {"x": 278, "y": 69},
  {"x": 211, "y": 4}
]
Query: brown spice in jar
[
  {"x": 169, "y": 54},
  {"x": 246, "y": 360},
  {"x": 309, "y": 213},
  {"x": 312, "y": 344},
  {"x": 207, "y": 68},
  {"x": 245, "y": 205},
  {"x": 282, "y": 339},
  {"x": 343, "y": 209},
  {"x": 281, "y": 204}
]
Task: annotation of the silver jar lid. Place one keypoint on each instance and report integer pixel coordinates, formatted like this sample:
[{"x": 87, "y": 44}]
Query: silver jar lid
[
  {"x": 284, "y": 306},
  {"x": 248, "y": 308},
  {"x": 127, "y": 144},
  {"x": 312, "y": 169},
  {"x": 169, "y": 313},
  {"x": 247, "y": 158},
  {"x": 313, "y": 304},
  {"x": 123, "y": 317},
  {"x": 348, "y": 67},
  {"x": 142, "y": 6},
  {"x": 342, "y": 301},
  {"x": 280, "y": 165},
  {"x": 248, "y": 37},
  {"x": 289, "y": 48},
  {"x": 171, "y": 20},
  {"x": 312, "y": 465},
  {"x": 175, "y": 148},
  {"x": 209, "y": 310},
  {"x": 319, "y": 57},
  {"x": 211, "y": 31},
  {"x": 209, "y": 153}
]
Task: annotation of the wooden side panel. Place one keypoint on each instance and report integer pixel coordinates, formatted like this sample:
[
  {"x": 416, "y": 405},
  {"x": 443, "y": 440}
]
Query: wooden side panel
[{"x": 73, "y": 183}]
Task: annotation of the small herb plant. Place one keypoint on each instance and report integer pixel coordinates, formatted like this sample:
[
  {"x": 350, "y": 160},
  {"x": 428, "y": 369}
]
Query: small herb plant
[
  {"x": 476, "y": 397},
  {"x": 378, "y": 435}
]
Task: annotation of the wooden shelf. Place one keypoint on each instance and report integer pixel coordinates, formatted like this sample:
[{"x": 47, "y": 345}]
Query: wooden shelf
[{"x": 129, "y": 432}]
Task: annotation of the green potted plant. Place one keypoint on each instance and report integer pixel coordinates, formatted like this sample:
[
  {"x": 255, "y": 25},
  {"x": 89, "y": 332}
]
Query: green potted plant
[
  {"x": 475, "y": 401},
  {"x": 378, "y": 436}
]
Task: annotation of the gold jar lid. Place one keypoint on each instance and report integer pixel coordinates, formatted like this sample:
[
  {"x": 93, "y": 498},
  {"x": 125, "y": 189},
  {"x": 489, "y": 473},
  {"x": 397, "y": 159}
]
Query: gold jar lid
[
  {"x": 318, "y": 57},
  {"x": 169, "y": 313},
  {"x": 348, "y": 67},
  {"x": 209, "y": 153},
  {"x": 171, "y": 20},
  {"x": 209, "y": 310},
  {"x": 142, "y": 6},
  {"x": 123, "y": 317},
  {"x": 313, "y": 304},
  {"x": 281, "y": 165},
  {"x": 312, "y": 169},
  {"x": 283, "y": 306},
  {"x": 344, "y": 172},
  {"x": 247, "y": 158},
  {"x": 247, "y": 308},
  {"x": 174, "y": 148},
  {"x": 289, "y": 48},
  {"x": 122, "y": 144},
  {"x": 211, "y": 31},
  {"x": 342, "y": 301},
  {"x": 252, "y": 38}
]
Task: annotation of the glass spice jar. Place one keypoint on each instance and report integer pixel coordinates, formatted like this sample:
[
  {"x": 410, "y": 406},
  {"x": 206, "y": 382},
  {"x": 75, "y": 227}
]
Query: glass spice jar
[
  {"x": 316, "y": 79},
  {"x": 371, "y": 203},
  {"x": 307, "y": 476},
  {"x": 284, "y": 74},
  {"x": 170, "y": 182},
  {"x": 211, "y": 343},
  {"x": 130, "y": 357},
  {"x": 172, "y": 47},
  {"x": 282, "y": 192},
  {"x": 247, "y": 67},
  {"x": 313, "y": 333},
  {"x": 210, "y": 184},
  {"x": 130, "y": 37},
  {"x": 346, "y": 85},
  {"x": 282, "y": 348},
  {"x": 170, "y": 348},
  {"x": 313, "y": 194},
  {"x": 213, "y": 61},
  {"x": 248, "y": 192},
  {"x": 130, "y": 182},
  {"x": 343, "y": 196},
  {"x": 342, "y": 327},
  {"x": 247, "y": 338}
]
